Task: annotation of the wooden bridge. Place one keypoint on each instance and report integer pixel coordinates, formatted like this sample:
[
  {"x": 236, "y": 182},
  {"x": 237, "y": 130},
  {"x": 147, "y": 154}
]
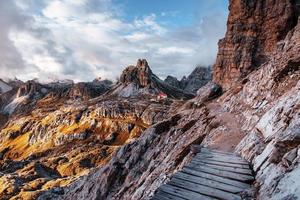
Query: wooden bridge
[{"x": 210, "y": 175}]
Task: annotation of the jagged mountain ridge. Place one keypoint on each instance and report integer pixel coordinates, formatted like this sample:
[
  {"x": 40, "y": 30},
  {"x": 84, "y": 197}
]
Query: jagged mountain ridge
[
  {"x": 140, "y": 80},
  {"x": 27, "y": 94},
  {"x": 197, "y": 79}
]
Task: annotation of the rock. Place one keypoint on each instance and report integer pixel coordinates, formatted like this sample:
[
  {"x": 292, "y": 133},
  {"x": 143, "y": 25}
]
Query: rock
[
  {"x": 111, "y": 147},
  {"x": 289, "y": 157},
  {"x": 140, "y": 74},
  {"x": 139, "y": 167},
  {"x": 198, "y": 78},
  {"x": 91, "y": 90},
  {"x": 271, "y": 94},
  {"x": 253, "y": 30},
  {"x": 140, "y": 81},
  {"x": 208, "y": 92},
  {"x": 173, "y": 81},
  {"x": 30, "y": 89}
]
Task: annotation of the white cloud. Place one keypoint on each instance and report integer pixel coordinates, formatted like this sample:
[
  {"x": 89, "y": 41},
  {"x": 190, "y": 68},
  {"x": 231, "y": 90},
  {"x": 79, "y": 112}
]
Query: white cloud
[
  {"x": 149, "y": 23},
  {"x": 84, "y": 39},
  {"x": 137, "y": 36},
  {"x": 174, "y": 50}
]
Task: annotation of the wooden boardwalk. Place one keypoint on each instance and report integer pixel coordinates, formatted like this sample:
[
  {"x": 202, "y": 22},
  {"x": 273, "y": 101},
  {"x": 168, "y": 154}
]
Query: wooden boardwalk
[{"x": 210, "y": 175}]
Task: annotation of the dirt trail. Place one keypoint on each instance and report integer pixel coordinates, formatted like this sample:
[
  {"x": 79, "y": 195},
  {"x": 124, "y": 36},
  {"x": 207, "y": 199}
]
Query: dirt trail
[{"x": 225, "y": 131}]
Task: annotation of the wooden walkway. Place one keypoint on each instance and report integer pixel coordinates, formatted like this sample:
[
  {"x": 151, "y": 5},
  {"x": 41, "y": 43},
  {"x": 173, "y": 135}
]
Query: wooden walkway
[{"x": 210, "y": 175}]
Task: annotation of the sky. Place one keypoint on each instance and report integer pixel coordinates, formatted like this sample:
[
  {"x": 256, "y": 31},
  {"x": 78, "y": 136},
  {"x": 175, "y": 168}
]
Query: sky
[{"x": 85, "y": 39}]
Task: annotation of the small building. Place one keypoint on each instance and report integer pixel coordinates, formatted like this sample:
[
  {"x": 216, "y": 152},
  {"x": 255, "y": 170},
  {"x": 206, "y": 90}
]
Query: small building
[{"x": 161, "y": 96}]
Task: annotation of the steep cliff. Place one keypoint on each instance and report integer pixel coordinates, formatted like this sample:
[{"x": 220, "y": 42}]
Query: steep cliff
[
  {"x": 253, "y": 30},
  {"x": 268, "y": 107}
]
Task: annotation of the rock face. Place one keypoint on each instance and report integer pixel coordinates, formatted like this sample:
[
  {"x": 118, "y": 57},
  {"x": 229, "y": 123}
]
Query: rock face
[
  {"x": 253, "y": 30},
  {"x": 140, "y": 81},
  {"x": 30, "y": 89},
  {"x": 140, "y": 74},
  {"x": 268, "y": 105},
  {"x": 198, "y": 78},
  {"x": 89, "y": 90}
]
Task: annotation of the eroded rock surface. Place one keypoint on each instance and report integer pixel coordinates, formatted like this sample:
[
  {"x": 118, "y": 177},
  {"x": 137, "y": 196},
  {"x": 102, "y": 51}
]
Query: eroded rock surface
[
  {"x": 253, "y": 30},
  {"x": 269, "y": 105}
]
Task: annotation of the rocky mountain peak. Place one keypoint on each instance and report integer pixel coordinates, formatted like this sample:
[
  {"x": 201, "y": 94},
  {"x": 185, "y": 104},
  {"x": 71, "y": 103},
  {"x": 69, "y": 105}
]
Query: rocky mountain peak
[
  {"x": 140, "y": 80},
  {"x": 199, "y": 77},
  {"x": 253, "y": 30},
  {"x": 140, "y": 74},
  {"x": 29, "y": 88},
  {"x": 142, "y": 63}
]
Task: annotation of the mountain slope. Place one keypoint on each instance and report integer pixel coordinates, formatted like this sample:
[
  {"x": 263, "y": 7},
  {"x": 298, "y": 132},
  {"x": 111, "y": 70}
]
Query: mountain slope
[{"x": 4, "y": 87}]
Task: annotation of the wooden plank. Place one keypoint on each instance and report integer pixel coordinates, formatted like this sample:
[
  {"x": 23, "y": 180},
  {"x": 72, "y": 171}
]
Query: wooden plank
[
  {"x": 221, "y": 158},
  {"x": 221, "y": 155},
  {"x": 212, "y": 174},
  {"x": 216, "y": 178},
  {"x": 208, "y": 182},
  {"x": 183, "y": 193},
  {"x": 224, "y": 168},
  {"x": 217, "y": 151},
  {"x": 241, "y": 166},
  {"x": 205, "y": 190},
  {"x": 225, "y": 174},
  {"x": 160, "y": 195},
  {"x": 220, "y": 169}
]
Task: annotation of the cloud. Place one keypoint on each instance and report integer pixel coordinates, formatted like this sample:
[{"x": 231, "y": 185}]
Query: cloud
[
  {"x": 84, "y": 39},
  {"x": 10, "y": 58}
]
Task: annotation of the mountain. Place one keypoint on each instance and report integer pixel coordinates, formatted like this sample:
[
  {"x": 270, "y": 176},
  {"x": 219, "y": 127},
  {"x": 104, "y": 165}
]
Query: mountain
[
  {"x": 197, "y": 79},
  {"x": 4, "y": 87},
  {"x": 26, "y": 96},
  {"x": 66, "y": 141},
  {"x": 252, "y": 35},
  {"x": 139, "y": 80},
  {"x": 257, "y": 115}
]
